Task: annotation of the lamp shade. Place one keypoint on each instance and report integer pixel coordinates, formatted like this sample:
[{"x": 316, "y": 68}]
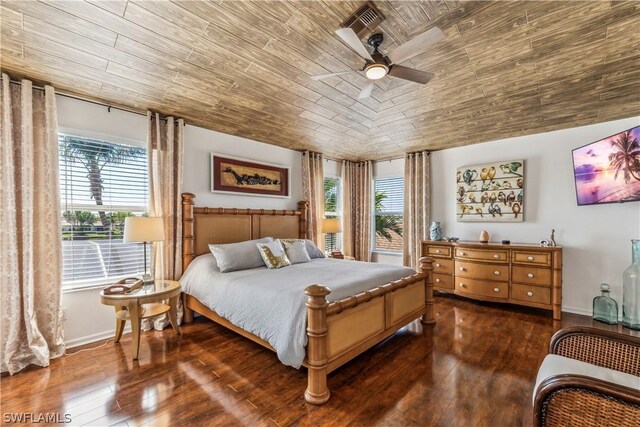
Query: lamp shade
[
  {"x": 331, "y": 225},
  {"x": 143, "y": 229}
]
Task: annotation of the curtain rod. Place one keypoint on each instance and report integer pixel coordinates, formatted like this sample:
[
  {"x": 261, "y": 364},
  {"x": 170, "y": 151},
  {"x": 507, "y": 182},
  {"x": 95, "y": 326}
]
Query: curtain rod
[{"x": 81, "y": 98}]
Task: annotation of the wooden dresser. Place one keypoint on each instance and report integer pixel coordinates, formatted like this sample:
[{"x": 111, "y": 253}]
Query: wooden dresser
[{"x": 518, "y": 273}]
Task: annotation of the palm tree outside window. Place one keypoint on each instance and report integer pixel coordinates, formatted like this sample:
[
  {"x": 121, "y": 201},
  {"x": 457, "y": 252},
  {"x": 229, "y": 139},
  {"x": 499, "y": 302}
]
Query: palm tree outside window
[{"x": 388, "y": 211}]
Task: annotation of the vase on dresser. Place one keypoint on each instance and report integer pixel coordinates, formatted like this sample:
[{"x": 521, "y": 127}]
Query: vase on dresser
[
  {"x": 631, "y": 289},
  {"x": 435, "y": 231}
]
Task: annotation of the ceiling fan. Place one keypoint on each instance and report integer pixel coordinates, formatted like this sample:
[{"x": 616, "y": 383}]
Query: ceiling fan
[{"x": 379, "y": 65}]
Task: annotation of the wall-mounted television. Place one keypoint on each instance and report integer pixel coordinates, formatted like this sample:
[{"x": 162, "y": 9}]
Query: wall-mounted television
[{"x": 608, "y": 170}]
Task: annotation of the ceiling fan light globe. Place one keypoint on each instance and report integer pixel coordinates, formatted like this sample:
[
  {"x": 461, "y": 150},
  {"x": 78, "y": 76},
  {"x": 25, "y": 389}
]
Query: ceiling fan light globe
[{"x": 376, "y": 71}]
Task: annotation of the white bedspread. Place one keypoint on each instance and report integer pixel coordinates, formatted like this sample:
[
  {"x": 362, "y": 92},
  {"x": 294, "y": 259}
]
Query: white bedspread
[{"x": 270, "y": 303}]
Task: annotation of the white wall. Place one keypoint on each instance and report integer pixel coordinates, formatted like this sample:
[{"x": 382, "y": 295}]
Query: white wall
[
  {"x": 87, "y": 319},
  {"x": 596, "y": 239},
  {"x": 199, "y": 143}
]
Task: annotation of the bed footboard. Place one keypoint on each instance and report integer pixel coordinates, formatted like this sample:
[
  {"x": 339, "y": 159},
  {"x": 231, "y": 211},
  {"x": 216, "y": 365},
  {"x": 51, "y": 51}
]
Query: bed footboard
[{"x": 339, "y": 331}]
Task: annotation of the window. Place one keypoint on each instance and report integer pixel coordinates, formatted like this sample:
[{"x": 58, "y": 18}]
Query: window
[
  {"x": 332, "y": 209},
  {"x": 101, "y": 183},
  {"x": 389, "y": 210}
]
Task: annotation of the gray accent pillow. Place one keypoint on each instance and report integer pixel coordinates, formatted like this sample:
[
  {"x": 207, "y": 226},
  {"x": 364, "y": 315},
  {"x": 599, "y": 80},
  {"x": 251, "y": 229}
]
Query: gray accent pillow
[
  {"x": 313, "y": 250},
  {"x": 296, "y": 251},
  {"x": 238, "y": 256}
]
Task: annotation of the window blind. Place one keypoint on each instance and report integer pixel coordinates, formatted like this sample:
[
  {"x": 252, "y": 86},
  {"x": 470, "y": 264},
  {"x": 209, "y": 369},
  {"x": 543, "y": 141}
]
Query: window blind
[
  {"x": 389, "y": 211},
  {"x": 332, "y": 209},
  {"x": 101, "y": 183}
]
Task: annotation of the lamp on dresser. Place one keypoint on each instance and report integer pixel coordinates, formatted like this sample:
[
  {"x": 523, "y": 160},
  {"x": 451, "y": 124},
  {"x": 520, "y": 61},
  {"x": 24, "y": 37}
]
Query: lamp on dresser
[{"x": 140, "y": 229}]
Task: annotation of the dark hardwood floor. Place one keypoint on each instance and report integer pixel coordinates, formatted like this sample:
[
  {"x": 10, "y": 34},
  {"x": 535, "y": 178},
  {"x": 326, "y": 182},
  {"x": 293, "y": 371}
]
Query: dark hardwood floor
[{"x": 475, "y": 367}]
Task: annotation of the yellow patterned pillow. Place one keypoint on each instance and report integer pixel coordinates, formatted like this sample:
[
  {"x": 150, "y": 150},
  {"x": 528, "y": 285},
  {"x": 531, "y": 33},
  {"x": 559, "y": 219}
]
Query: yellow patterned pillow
[{"x": 273, "y": 254}]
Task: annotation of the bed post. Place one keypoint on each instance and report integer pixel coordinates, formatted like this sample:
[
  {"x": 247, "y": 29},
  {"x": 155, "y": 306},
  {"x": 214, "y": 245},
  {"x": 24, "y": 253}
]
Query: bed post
[
  {"x": 303, "y": 207},
  {"x": 317, "y": 391},
  {"x": 426, "y": 268},
  {"x": 187, "y": 244}
]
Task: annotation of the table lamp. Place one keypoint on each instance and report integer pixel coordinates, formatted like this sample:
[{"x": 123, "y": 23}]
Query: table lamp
[
  {"x": 331, "y": 226},
  {"x": 142, "y": 229}
]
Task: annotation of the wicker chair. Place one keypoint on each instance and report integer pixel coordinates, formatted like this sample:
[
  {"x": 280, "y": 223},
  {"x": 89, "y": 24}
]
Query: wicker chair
[{"x": 592, "y": 397}]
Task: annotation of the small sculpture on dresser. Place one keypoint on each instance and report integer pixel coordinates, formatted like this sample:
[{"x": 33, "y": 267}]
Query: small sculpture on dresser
[
  {"x": 552, "y": 239},
  {"x": 484, "y": 236}
]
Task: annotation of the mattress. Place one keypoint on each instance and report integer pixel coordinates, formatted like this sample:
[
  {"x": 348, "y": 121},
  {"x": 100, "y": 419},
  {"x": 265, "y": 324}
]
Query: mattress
[{"x": 269, "y": 303}]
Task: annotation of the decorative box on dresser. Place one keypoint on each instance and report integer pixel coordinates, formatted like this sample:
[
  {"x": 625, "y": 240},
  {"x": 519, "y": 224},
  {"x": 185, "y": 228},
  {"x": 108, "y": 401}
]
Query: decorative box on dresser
[{"x": 521, "y": 274}]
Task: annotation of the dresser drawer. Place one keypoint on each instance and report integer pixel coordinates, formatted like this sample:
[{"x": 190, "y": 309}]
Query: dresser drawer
[
  {"x": 472, "y": 270},
  {"x": 483, "y": 288},
  {"x": 443, "y": 281},
  {"x": 438, "y": 251},
  {"x": 497, "y": 255},
  {"x": 443, "y": 266},
  {"x": 532, "y": 294},
  {"x": 531, "y": 275},
  {"x": 533, "y": 258}
]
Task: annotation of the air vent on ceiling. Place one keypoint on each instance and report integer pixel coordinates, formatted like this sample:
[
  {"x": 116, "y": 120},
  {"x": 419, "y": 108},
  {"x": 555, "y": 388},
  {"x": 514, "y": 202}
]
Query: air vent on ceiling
[{"x": 364, "y": 20}]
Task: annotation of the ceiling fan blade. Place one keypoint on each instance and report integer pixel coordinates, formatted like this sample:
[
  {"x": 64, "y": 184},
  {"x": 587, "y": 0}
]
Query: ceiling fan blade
[
  {"x": 351, "y": 39},
  {"x": 366, "y": 91},
  {"x": 326, "y": 76},
  {"x": 416, "y": 45},
  {"x": 410, "y": 74}
]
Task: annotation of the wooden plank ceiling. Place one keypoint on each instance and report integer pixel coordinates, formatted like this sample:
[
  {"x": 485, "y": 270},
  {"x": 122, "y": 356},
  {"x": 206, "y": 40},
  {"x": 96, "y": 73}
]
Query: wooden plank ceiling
[{"x": 506, "y": 68}]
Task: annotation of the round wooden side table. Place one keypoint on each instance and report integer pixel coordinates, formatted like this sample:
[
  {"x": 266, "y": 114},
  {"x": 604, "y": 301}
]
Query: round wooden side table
[{"x": 146, "y": 301}]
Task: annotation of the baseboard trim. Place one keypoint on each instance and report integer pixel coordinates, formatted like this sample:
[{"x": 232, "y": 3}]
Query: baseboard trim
[
  {"x": 576, "y": 310},
  {"x": 76, "y": 342}
]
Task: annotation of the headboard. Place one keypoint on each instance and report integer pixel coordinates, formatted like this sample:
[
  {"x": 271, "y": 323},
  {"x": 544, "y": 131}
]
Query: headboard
[{"x": 201, "y": 226}]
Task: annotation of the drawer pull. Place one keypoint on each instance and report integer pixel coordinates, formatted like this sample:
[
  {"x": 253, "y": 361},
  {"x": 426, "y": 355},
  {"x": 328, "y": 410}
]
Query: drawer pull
[
  {"x": 437, "y": 280},
  {"x": 462, "y": 285},
  {"x": 530, "y": 293},
  {"x": 437, "y": 251},
  {"x": 437, "y": 265},
  {"x": 496, "y": 290},
  {"x": 496, "y": 256},
  {"x": 461, "y": 268},
  {"x": 497, "y": 273},
  {"x": 530, "y": 275},
  {"x": 461, "y": 253},
  {"x": 531, "y": 258}
]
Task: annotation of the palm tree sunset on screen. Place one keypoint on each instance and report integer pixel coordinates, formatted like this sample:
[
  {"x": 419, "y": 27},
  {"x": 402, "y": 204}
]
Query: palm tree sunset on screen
[{"x": 626, "y": 157}]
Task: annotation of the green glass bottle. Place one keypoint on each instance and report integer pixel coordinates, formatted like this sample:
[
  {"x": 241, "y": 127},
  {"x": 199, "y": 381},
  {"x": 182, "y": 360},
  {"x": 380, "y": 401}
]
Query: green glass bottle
[
  {"x": 605, "y": 309},
  {"x": 631, "y": 290}
]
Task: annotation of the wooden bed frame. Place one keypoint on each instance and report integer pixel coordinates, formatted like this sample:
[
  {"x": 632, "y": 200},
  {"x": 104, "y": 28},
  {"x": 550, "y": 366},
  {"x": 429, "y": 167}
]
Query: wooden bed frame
[{"x": 338, "y": 331}]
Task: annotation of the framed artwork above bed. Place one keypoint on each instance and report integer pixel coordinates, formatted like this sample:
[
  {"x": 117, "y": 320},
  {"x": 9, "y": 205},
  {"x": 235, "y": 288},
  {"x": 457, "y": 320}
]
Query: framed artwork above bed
[
  {"x": 241, "y": 176},
  {"x": 492, "y": 192}
]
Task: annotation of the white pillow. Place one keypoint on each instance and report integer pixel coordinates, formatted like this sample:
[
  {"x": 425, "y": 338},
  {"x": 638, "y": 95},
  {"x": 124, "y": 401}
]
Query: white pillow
[
  {"x": 273, "y": 254},
  {"x": 296, "y": 251},
  {"x": 238, "y": 256}
]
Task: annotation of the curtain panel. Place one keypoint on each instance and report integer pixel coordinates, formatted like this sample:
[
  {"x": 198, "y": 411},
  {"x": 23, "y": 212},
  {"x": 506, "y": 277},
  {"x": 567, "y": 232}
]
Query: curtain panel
[
  {"x": 357, "y": 208},
  {"x": 417, "y": 204},
  {"x": 165, "y": 150},
  {"x": 313, "y": 192},
  {"x": 30, "y": 243},
  {"x": 346, "y": 177}
]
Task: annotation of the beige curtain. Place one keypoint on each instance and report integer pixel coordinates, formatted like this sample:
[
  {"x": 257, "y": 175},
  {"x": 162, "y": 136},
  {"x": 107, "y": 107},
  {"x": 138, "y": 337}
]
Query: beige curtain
[
  {"x": 30, "y": 244},
  {"x": 313, "y": 192},
  {"x": 417, "y": 204},
  {"x": 165, "y": 148},
  {"x": 362, "y": 209},
  {"x": 346, "y": 177}
]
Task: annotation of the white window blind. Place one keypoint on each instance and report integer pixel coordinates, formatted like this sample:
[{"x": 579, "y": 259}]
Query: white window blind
[
  {"x": 101, "y": 183},
  {"x": 332, "y": 209},
  {"x": 389, "y": 211}
]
